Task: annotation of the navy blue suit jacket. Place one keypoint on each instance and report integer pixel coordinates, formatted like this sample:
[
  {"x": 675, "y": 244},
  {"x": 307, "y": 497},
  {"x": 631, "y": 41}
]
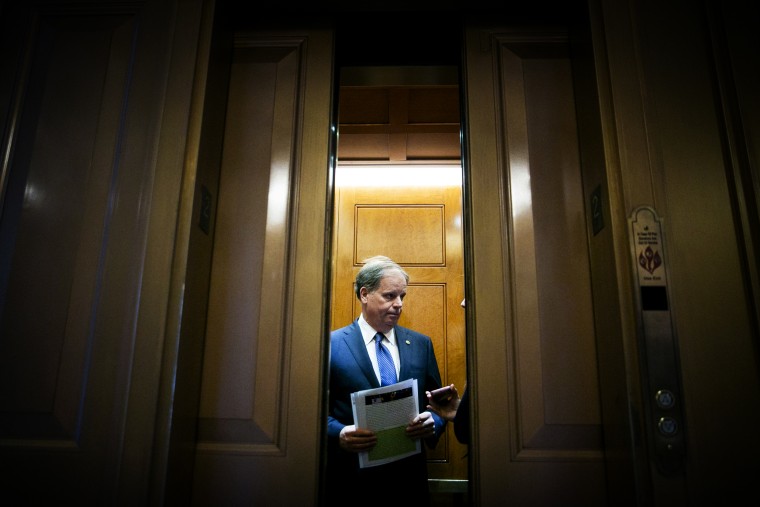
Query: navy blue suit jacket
[{"x": 351, "y": 370}]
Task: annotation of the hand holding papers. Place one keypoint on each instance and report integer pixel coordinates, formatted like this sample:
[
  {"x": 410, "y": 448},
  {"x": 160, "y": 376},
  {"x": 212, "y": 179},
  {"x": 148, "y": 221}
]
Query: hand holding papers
[{"x": 387, "y": 411}]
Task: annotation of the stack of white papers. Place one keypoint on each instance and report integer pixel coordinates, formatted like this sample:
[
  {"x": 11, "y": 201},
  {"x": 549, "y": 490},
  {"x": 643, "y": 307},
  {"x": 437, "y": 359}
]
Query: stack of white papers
[{"x": 387, "y": 411}]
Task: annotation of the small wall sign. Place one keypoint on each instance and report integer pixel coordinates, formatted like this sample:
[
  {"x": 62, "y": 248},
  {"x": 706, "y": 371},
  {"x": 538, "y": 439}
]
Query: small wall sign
[{"x": 597, "y": 217}]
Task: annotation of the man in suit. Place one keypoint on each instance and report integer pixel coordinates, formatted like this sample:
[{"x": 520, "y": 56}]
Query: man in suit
[{"x": 380, "y": 287}]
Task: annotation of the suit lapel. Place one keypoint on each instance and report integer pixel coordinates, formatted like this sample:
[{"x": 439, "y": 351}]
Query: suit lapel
[
  {"x": 358, "y": 349},
  {"x": 405, "y": 351}
]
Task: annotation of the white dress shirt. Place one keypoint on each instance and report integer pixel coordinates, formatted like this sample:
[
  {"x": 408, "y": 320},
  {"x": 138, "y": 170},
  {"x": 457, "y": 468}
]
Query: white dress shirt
[{"x": 368, "y": 333}]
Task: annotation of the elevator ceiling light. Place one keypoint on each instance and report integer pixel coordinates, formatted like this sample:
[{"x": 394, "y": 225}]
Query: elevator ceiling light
[{"x": 398, "y": 175}]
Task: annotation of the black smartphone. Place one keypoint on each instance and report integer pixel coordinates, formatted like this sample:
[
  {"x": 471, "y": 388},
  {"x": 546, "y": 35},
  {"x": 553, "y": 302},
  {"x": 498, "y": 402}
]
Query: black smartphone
[{"x": 441, "y": 395}]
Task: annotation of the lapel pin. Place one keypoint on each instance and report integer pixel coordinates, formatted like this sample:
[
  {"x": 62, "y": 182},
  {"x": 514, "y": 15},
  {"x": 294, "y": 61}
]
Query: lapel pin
[{"x": 408, "y": 342}]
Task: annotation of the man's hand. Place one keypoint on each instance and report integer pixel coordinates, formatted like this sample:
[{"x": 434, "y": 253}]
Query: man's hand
[
  {"x": 422, "y": 426},
  {"x": 357, "y": 440}
]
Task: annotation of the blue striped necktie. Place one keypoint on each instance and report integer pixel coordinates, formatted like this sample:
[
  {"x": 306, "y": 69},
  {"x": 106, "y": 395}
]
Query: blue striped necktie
[{"x": 385, "y": 363}]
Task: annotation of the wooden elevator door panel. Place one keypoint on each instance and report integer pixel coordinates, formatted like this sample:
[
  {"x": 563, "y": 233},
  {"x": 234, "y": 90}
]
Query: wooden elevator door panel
[
  {"x": 420, "y": 228},
  {"x": 533, "y": 316}
]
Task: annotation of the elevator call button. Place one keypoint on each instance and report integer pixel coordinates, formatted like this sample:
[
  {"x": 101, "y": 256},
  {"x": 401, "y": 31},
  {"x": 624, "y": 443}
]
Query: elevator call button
[
  {"x": 665, "y": 399},
  {"x": 667, "y": 426}
]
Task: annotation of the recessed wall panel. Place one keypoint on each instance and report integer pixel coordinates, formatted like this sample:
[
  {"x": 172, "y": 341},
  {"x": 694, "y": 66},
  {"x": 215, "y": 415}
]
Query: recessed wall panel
[
  {"x": 410, "y": 235},
  {"x": 245, "y": 336}
]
